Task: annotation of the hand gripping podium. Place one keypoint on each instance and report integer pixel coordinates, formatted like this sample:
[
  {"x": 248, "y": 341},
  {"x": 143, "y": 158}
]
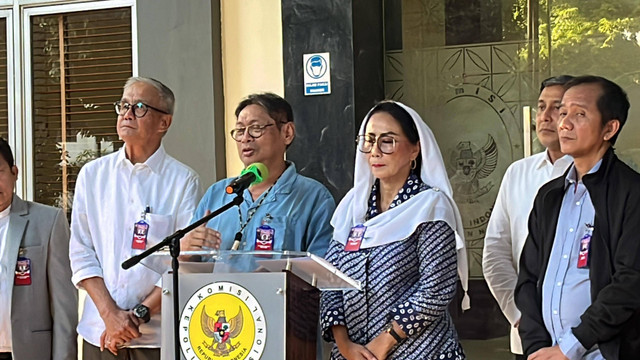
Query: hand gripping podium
[{"x": 238, "y": 305}]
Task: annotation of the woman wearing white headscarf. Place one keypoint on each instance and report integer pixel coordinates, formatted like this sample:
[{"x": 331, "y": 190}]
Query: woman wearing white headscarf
[{"x": 399, "y": 233}]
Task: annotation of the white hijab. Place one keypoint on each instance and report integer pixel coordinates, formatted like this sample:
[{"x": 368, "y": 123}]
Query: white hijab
[{"x": 400, "y": 222}]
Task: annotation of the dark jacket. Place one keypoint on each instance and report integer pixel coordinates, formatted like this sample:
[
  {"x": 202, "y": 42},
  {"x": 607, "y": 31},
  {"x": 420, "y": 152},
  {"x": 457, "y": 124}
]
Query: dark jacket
[{"x": 613, "y": 319}]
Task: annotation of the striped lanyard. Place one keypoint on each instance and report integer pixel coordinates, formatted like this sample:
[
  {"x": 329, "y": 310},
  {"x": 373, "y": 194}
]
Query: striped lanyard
[{"x": 250, "y": 214}]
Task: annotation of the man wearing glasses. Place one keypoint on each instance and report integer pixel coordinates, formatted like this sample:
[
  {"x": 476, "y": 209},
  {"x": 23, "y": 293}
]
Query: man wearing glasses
[
  {"x": 287, "y": 211},
  {"x": 124, "y": 203}
]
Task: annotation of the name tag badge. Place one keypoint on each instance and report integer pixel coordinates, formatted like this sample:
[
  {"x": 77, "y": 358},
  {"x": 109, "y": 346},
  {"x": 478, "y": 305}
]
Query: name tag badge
[
  {"x": 585, "y": 245},
  {"x": 140, "y": 231},
  {"x": 265, "y": 235},
  {"x": 264, "y": 238},
  {"x": 355, "y": 238},
  {"x": 23, "y": 272}
]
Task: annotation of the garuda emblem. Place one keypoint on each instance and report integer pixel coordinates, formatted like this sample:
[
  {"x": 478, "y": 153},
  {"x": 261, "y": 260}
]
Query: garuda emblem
[
  {"x": 471, "y": 166},
  {"x": 221, "y": 331}
]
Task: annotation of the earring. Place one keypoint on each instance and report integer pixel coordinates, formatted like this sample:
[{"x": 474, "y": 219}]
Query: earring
[{"x": 414, "y": 164}]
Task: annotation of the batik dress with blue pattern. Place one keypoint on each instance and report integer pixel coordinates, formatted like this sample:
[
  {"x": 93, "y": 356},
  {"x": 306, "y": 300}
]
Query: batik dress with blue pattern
[{"x": 411, "y": 281}]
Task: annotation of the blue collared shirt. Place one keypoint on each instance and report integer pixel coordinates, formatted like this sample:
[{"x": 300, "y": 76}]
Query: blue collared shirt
[
  {"x": 566, "y": 291},
  {"x": 297, "y": 208}
]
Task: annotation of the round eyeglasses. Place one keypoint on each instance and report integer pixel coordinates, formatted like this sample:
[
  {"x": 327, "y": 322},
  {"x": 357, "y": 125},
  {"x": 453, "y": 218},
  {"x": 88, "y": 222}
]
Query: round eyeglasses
[
  {"x": 139, "y": 109},
  {"x": 255, "y": 131},
  {"x": 386, "y": 143}
]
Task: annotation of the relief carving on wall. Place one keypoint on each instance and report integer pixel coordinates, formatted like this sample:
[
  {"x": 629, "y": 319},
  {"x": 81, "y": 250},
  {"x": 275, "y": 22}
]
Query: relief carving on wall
[{"x": 471, "y": 96}]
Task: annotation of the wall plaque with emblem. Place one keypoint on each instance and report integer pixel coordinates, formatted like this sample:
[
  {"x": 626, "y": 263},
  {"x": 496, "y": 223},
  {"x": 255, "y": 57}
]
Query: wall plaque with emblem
[{"x": 476, "y": 156}]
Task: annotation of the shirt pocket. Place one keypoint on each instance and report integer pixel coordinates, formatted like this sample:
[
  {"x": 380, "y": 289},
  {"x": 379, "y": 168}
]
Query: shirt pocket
[{"x": 160, "y": 226}]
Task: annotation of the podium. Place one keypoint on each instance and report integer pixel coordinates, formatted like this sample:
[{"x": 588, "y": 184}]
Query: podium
[{"x": 239, "y": 305}]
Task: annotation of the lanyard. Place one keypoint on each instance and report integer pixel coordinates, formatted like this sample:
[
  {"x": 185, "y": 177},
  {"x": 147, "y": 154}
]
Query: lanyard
[{"x": 250, "y": 214}]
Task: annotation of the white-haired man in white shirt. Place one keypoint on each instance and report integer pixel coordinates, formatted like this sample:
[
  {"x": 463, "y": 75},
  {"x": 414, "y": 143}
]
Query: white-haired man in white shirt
[
  {"x": 113, "y": 195},
  {"x": 507, "y": 228}
]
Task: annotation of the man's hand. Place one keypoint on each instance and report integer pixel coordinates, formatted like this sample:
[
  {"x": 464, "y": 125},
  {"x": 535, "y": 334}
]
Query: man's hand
[
  {"x": 548, "y": 353},
  {"x": 200, "y": 238},
  {"x": 121, "y": 327}
]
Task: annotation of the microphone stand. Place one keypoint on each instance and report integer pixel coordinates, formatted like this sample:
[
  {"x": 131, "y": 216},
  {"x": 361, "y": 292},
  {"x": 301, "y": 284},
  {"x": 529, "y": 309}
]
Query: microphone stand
[{"x": 173, "y": 242}]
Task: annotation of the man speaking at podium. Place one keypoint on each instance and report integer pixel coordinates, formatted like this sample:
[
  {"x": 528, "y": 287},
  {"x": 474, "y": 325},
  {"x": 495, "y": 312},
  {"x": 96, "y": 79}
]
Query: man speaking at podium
[
  {"x": 286, "y": 211},
  {"x": 124, "y": 202}
]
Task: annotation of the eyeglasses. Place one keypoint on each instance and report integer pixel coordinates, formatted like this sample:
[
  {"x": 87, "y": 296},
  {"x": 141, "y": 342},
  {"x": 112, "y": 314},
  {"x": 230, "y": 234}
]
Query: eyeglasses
[
  {"x": 255, "y": 131},
  {"x": 386, "y": 143},
  {"x": 139, "y": 109}
]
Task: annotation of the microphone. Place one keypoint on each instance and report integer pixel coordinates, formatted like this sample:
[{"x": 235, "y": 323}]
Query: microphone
[
  {"x": 251, "y": 175},
  {"x": 236, "y": 241}
]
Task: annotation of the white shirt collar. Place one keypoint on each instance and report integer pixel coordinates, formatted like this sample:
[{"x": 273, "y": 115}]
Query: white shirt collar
[
  {"x": 546, "y": 160},
  {"x": 154, "y": 162},
  {"x": 4, "y": 213}
]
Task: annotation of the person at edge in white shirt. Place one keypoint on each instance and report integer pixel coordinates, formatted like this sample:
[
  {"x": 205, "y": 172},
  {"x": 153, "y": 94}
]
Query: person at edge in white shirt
[
  {"x": 122, "y": 311},
  {"x": 507, "y": 228}
]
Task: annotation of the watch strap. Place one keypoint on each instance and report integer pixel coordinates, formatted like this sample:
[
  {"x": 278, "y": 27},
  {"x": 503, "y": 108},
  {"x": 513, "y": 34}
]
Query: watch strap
[
  {"x": 145, "y": 311},
  {"x": 389, "y": 329}
]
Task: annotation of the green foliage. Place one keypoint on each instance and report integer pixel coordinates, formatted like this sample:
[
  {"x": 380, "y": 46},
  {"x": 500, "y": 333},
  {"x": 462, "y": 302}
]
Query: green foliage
[
  {"x": 587, "y": 34},
  {"x": 84, "y": 157}
]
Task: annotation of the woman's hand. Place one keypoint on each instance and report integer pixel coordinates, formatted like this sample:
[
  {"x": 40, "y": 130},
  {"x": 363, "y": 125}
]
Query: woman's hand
[
  {"x": 384, "y": 342},
  {"x": 349, "y": 349},
  {"x": 380, "y": 346},
  {"x": 353, "y": 351}
]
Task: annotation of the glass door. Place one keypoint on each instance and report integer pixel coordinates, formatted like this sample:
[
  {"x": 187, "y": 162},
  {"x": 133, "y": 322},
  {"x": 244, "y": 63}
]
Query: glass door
[
  {"x": 472, "y": 69},
  {"x": 599, "y": 38}
]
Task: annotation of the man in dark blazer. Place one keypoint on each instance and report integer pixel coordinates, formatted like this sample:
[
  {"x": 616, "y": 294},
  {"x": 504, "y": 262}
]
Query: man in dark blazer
[
  {"x": 39, "y": 304},
  {"x": 579, "y": 282}
]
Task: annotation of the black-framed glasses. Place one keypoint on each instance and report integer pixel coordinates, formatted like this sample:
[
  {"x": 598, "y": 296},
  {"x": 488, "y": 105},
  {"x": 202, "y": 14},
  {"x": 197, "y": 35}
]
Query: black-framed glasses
[
  {"x": 386, "y": 143},
  {"x": 139, "y": 109},
  {"x": 255, "y": 131}
]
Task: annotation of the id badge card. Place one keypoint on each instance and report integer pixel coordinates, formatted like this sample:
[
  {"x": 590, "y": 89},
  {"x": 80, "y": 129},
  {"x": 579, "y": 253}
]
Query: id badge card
[
  {"x": 140, "y": 231},
  {"x": 356, "y": 235},
  {"x": 23, "y": 272},
  {"x": 585, "y": 245},
  {"x": 264, "y": 238}
]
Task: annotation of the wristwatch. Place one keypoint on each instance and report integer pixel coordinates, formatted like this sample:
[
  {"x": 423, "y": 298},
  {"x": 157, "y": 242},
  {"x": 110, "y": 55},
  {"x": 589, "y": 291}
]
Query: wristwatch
[
  {"x": 389, "y": 330},
  {"x": 141, "y": 312}
]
